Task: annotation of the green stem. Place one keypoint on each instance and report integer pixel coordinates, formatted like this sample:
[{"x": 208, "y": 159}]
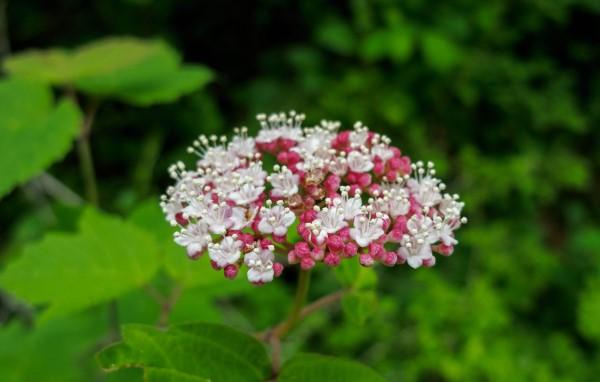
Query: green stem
[
  {"x": 294, "y": 316},
  {"x": 87, "y": 169}
]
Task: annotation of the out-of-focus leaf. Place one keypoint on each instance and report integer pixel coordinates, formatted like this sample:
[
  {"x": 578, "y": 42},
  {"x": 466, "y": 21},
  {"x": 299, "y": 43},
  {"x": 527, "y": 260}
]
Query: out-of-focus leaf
[
  {"x": 353, "y": 275},
  {"x": 138, "y": 71},
  {"x": 589, "y": 310},
  {"x": 53, "y": 352},
  {"x": 337, "y": 36},
  {"x": 33, "y": 133},
  {"x": 316, "y": 368},
  {"x": 168, "y": 87},
  {"x": 359, "y": 305},
  {"x": 69, "y": 272},
  {"x": 189, "y": 352},
  {"x": 440, "y": 53}
]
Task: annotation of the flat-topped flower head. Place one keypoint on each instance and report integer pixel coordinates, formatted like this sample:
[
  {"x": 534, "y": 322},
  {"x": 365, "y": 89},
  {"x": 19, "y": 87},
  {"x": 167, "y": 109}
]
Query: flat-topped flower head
[{"x": 350, "y": 195}]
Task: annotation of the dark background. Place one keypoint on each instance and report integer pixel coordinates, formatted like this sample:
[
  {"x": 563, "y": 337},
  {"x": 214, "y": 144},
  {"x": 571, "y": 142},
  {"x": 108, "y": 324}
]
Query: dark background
[{"x": 503, "y": 95}]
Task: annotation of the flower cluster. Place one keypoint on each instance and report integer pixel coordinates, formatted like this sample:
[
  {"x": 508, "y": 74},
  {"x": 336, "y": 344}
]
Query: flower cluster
[{"x": 345, "y": 193}]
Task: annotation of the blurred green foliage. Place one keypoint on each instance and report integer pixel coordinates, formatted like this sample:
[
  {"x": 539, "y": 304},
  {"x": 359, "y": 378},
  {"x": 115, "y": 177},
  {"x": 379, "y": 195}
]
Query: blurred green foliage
[{"x": 503, "y": 95}]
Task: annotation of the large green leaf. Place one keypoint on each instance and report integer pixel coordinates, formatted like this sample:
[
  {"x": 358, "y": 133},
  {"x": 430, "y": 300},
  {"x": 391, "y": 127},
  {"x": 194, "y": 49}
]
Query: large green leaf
[
  {"x": 33, "y": 132},
  {"x": 318, "y": 368},
  {"x": 134, "y": 70},
  {"x": 69, "y": 272},
  {"x": 189, "y": 352}
]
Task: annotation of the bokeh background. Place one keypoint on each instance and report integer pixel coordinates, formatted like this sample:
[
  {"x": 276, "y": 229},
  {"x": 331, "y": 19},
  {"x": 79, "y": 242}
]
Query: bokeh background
[{"x": 504, "y": 96}]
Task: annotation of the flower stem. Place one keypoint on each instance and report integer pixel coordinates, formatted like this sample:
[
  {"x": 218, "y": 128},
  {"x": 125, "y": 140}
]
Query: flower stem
[
  {"x": 87, "y": 170},
  {"x": 301, "y": 293}
]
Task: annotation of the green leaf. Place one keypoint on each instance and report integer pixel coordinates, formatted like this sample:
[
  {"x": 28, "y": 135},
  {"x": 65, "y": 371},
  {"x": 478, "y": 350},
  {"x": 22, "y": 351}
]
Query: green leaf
[
  {"x": 353, "y": 275},
  {"x": 440, "y": 53},
  {"x": 69, "y": 272},
  {"x": 189, "y": 352},
  {"x": 33, "y": 133},
  {"x": 167, "y": 87},
  {"x": 134, "y": 70},
  {"x": 358, "y": 306},
  {"x": 55, "y": 351},
  {"x": 317, "y": 368},
  {"x": 337, "y": 36}
]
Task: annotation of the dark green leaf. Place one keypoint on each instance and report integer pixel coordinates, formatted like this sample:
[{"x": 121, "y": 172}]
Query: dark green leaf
[
  {"x": 189, "y": 352},
  {"x": 318, "y": 368}
]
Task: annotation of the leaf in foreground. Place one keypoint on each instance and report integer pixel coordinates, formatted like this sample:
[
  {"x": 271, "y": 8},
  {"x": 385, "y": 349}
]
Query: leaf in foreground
[
  {"x": 69, "y": 272},
  {"x": 189, "y": 352},
  {"x": 33, "y": 132},
  {"x": 317, "y": 368}
]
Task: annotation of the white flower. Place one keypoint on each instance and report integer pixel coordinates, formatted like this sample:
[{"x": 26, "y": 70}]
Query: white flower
[
  {"x": 285, "y": 183},
  {"x": 332, "y": 218},
  {"x": 196, "y": 207},
  {"x": 219, "y": 158},
  {"x": 247, "y": 193},
  {"x": 242, "y": 146},
  {"x": 194, "y": 237},
  {"x": 445, "y": 234},
  {"x": 253, "y": 174},
  {"x": 425, "y": 191},
  {"x": 415, "y": 256},
  {"x": 242, "y": 217},
  {"x": 351, "y": 206},
  {"x": 276, "y": 220},
  {"x": 218, "y": 217},
  {"x": 421, "y": 228},
  {"x": 360, "y": 134},
  {"x": 382, "y": 151},
  {"x": 366, "y": 230},
  {"x": 228, "y": 251},
  {"x": 260, "y": 264},
  {"x": 397, "y": 202},
  {"x": 359, "y": 162}
]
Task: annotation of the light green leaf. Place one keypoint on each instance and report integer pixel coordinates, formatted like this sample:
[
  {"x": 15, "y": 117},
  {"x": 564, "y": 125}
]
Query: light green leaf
[
  {"x": 337, "y": 36},
  {"x": 318, "y": 368},
  {"x": 353, "y": 275},
  {"x": 33, "y": 133},
  {"x": 359, "y": 306},
  {"x": 167, "y": 87},
  {"x": 134, "y": 70},
  {"x": 69, "y": 272},
  {"x": 189, "y": 352}
]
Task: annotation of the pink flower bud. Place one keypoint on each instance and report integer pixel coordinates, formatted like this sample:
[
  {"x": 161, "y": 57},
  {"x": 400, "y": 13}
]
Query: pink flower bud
[
  {"x": 277, "y": 269},
  {"x": 317, "y": 254},
  {"x": 364, "y": 180},
  {"x": 215, "y": 266},
  {"x": 396, "y": 151},
  {"x": 307, "y": 263},
  {"x": 344, "y": 233},
  {"x": 180, "y": 219},
  {"x": 195, "y": 255},
  {"x": 286, "y": 144},
  {"x": 265, "y": 243},
  {"x": 302, "y": 249},
  {"x": 379, "y": 168},
  {"x": 443, "y": 249},
  {"x": 391, "y": 175},
  {"x": 332, "y": 183},
  {"x": 366, "y": 260},
  {"x": 395, "y": 235},
  {"x": 279, "y": 239},
  {"x": 429, "y": 262},
  {"x": 331, "y": 259},
  {"x": 350, "y": 249},
  {"x": 389, "y": 259},
  {"x": 292, "y": 257},
  {"x": 335, "y": 243},
  {"x": 293, "y": 158},
  {"x": 376, "y": 250},
  {"x": 308, "y": 216},
  {"x": 282, "y": 157},
  {"x": 231, "y": 271}
]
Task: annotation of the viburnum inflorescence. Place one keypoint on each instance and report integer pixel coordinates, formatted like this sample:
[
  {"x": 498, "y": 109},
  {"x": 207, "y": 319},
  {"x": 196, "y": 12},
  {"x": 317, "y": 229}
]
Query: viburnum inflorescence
[{"x": 346, "y": 193}]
